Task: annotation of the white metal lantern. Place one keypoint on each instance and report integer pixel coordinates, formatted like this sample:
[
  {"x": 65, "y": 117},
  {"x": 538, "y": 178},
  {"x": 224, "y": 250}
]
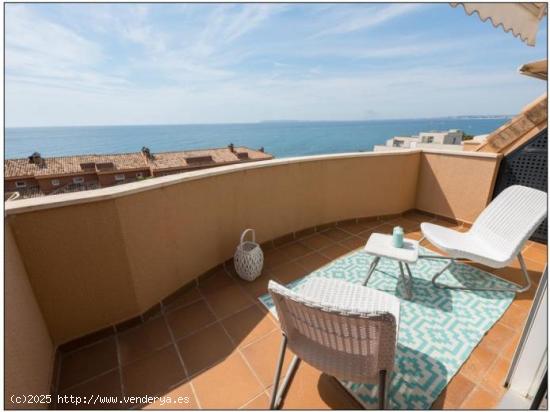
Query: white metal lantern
[{"x": 249, "y": 258}]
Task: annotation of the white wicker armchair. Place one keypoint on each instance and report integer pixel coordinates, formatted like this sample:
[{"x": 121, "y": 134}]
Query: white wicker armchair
[
  {"x": 345, "y": 330},
  {"x": 496, "y": 237}
]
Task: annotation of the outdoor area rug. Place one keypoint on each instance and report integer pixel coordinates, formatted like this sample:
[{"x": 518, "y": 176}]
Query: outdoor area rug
[{"x": 438, "y": 328}]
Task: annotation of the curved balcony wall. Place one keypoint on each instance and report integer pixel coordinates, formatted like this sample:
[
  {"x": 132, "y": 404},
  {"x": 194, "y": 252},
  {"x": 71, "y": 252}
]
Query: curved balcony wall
[{"x": 98, "y": 258}]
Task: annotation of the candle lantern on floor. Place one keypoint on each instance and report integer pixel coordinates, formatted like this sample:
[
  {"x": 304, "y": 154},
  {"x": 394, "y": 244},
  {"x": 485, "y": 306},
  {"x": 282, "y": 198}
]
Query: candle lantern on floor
[{"x": 249, "y": 258}]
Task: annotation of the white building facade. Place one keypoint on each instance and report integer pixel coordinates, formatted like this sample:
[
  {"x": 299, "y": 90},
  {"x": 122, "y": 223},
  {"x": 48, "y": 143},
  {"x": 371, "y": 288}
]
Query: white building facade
[{"x": 449, "y": 140}]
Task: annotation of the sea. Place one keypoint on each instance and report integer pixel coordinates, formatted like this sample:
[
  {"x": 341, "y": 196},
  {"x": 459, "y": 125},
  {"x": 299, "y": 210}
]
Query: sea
[{"x": 279, "y": 138}]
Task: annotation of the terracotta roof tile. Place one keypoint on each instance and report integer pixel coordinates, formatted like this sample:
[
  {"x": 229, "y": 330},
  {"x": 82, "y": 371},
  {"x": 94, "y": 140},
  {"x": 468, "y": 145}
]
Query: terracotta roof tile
[
  {"x": 52, "y": 166},
  {"x": 169, "y": 160},
  {"x": 71, "y": 165}
]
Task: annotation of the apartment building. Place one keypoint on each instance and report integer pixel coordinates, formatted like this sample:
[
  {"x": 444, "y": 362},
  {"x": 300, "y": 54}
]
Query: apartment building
[
  {"x": 38, "y": 176},
  {"x": 450, "y": 139}
]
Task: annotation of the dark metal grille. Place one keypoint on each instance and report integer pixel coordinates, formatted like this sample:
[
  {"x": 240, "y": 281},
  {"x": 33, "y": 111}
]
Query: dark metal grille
[{"x": 527, "y": 166}]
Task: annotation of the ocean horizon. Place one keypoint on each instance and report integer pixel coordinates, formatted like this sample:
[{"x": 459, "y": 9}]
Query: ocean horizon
[{"x": 282, "y": 138}]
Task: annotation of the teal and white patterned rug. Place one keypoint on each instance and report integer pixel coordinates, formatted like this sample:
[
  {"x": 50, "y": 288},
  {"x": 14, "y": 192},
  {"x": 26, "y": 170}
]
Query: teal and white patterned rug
[{"x": 438, "y": 328}]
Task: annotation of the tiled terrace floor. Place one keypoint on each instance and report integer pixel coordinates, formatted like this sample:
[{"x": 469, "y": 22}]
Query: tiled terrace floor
[{"x": 217, "y": 345}]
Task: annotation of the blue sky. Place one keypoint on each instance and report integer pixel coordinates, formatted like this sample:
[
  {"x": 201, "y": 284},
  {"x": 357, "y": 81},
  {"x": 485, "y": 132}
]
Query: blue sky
[{"x": 108, "y": 64}]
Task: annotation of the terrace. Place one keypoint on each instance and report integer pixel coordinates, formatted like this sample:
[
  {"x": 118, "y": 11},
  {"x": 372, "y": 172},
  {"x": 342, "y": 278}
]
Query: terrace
[{"x": 131, "y": 290}]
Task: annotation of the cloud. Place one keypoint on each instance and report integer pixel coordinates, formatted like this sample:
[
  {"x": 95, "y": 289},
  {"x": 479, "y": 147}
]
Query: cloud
[
  {"x": 228, "y": 22},
  {"x": 41, "y": 52},
  {"x": 30, "y": 38},
  {"x": 406, "y": 92},
  {"x": 366, "y": 17},
  {"x": 205, "y": 63}
]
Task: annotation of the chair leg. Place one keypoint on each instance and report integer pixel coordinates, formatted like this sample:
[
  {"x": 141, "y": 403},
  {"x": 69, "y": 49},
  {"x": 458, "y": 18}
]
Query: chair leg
[
  {"x": 373, "y": 265},
  {"x": 278, "y": 373},
  {"x": 516, "y": 289},
  {"x": 286, "y": 382},
  {"x": 277, "y": 395},
  {"x": 382, "y": 390}
]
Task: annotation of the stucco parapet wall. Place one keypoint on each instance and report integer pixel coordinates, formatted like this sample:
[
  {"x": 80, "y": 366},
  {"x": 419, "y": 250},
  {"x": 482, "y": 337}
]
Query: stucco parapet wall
[{"x": 113, "y": 192}]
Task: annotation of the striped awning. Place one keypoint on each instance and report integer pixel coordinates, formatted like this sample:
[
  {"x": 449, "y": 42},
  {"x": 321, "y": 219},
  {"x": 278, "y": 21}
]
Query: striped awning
[
  {"x": 522, "y": 19},
  {"x": 538, "y": 69}
]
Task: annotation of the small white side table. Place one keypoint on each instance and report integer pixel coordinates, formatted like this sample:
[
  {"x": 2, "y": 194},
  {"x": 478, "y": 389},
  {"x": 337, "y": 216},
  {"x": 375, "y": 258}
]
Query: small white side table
[{"x": 380, "y": 245}]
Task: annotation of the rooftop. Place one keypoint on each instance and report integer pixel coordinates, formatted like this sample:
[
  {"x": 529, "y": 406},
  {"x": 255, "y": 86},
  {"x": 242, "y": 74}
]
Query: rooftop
[{"x": 99, "y": 163}]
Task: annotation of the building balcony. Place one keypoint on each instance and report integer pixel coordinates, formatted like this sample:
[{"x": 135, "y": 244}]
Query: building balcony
[{"x": 131, "y": 291}]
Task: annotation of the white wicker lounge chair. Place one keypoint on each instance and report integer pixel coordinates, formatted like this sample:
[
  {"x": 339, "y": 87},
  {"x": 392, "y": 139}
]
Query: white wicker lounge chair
[
  {"x": 496, "y": 237},
  {"x": 345, "y": 330}
]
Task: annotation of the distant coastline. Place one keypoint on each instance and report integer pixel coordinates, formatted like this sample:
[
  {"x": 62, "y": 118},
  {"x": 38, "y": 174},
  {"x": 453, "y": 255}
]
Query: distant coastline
[
  {"x": 488, "y": 116},
  {"x": 276, "y": 121}
]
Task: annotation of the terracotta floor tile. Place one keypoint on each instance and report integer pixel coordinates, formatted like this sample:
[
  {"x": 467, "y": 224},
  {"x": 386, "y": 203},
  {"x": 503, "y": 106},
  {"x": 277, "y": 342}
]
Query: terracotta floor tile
[
  {"x": 182, "y": 298},
  {"x": 416, "y": 235},
  {"x": 536, "y": 252},
  {"x": 353, "y": 243},
  {"x": 532, "y": 265},
  {"x": 514, "y": 318},
  {"x": 310, "y": 389},
  {"x": 186, "y": 320},
  {"x": 454, "y": 393},
  {"x": 262, "y": 356},
  {"x": 312, "y": 262},
  {"x": 497, "y": 337},
  {"x": 406, "y": 224},
  {"x": 87, "y": 362},
  {"x": 153, "y": 375},
  {"x": 446, "y": 223},
  {"x": 514, "y": 273},
  {"x": 477, "y": 364},
  {"x": 228, "y": 385},
  {"x": 317, "y": 241},
  {"x": 283, "y": 240},
  {"x": 294, "y": 250},
  {"x": 259, "y": 402},
  {"x": 510, "y": 348},
  {"x": 528, "y": 295},
  {"x": 417, "y": 217},
  {"x": 258, "y": 286},
  {"x": 104, "y": 386},
  {"x": 496, "y": 375},
  {"x": 523, "y": 304},
  {"x": 527, "y": 244},
  {"x": 249, "y": 325},
  {"x": 374, "y": 224},
  {"x": 274, "y": 257},
  {"x": 480, "y": 399},
  {"x": 287, "y": 272},
  {"x": 540, "y": 246},
  {"x": 228, "y": 300},
  {"x": 336, "y": 234},
  {"x": 304, "y": 233},
  {"x": 354, "y": 228},
  {"x": 212, "y": 282},
  {"x": 366, "y": 234},
  {"x": 142, "y": 340},
  {"x": 384, "y": 228},
  {"x": 180, "y": 397},
  {"x": 334, "y": 251},
  {"x": 205, "y": 348}
]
